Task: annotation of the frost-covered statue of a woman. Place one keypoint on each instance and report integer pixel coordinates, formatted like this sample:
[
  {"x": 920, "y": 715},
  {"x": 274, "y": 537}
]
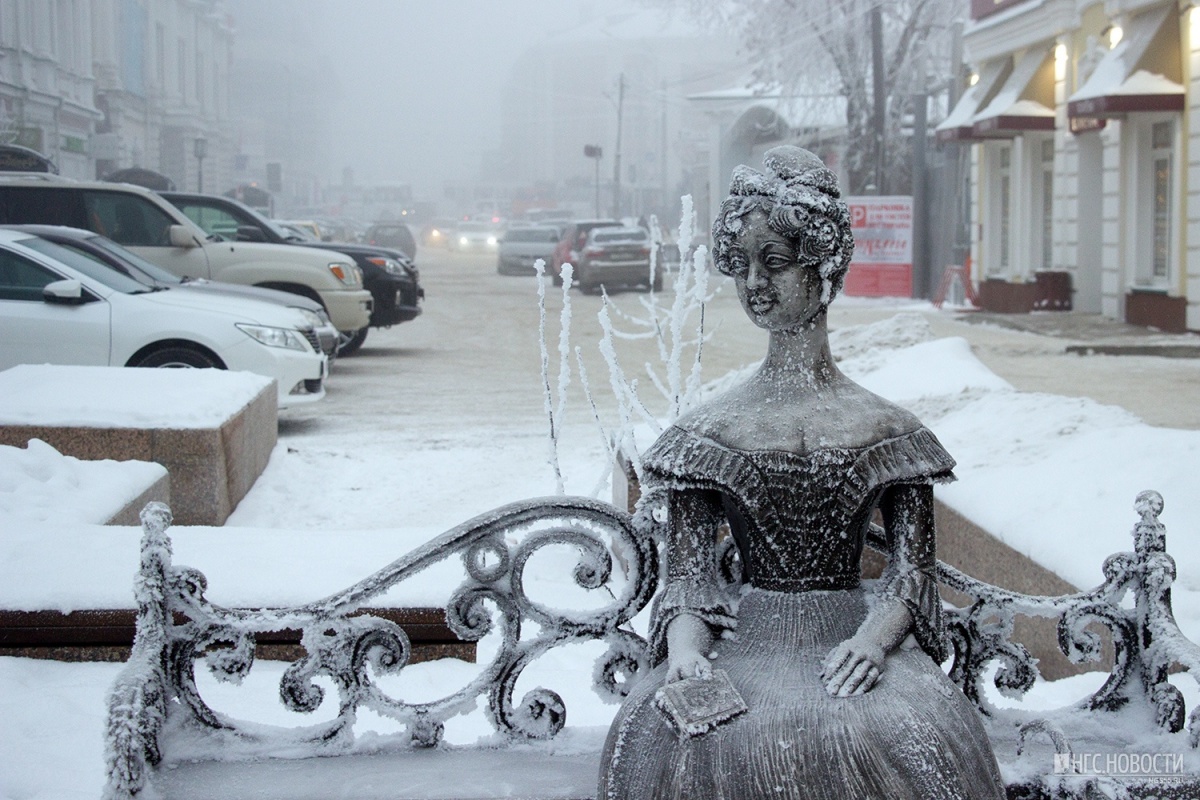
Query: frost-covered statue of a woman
[{"x": 844, "y": 694}]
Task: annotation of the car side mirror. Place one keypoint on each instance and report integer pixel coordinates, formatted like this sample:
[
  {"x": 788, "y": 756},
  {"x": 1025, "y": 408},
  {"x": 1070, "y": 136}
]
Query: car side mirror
[
  {"x": 65, "y": 293},
  {"x": 181, "y": 236},
  {"x": 250, "y": 233}
]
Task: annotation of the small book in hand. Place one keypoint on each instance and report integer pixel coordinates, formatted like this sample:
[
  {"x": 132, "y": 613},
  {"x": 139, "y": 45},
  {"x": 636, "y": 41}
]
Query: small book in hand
[{"x": 697, "y": 705}]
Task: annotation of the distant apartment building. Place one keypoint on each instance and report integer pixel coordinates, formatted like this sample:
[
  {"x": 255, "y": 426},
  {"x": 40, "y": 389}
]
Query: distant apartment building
[
  {"x": 1082, "y": 122},
  {"x": 634, "y": 70}
]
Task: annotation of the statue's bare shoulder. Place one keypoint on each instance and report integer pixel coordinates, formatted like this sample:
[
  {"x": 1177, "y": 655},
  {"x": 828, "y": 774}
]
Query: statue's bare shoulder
[{"x": 761, "y": 416}]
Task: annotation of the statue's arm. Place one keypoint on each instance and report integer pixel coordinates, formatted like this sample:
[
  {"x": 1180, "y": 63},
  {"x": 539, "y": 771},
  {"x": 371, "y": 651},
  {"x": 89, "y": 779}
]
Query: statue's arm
[
  {"x": 855, "y": 665},
  {"x": 693, "y": 604}
]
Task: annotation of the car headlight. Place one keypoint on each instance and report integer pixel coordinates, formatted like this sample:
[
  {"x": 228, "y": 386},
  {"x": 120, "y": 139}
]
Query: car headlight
[
  {"x": 311, "y": 318},
  {"x": 462, "y": 240},
  {"x": 349, "y": 274},
  {"x": 390, "y": 265},
  {"x": 288, "y": 338},
  {"x": 491, "y": 241}
]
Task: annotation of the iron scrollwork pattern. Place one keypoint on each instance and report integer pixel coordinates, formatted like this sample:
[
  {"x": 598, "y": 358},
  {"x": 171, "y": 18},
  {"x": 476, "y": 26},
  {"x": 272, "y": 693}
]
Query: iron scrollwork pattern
[
  {"x": 1145, "y": 638},
  {"x": 156, "y": 693}
]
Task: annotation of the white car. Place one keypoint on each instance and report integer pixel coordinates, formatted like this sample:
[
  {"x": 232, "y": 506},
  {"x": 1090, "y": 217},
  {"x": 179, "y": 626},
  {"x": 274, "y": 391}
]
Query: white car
[{"x": 58, "y": 306}]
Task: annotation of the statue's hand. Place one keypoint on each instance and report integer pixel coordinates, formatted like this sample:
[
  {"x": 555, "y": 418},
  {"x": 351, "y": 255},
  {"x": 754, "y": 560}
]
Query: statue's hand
[
  {"x": 853, "y": 666},
  {"x": 688, "y": 639},
  {"x": 687, "y": 664}
]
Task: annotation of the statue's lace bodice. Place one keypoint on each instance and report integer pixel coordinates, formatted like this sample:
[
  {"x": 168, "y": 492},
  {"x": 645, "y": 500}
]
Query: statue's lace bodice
[{"x": 799, "y": 519}]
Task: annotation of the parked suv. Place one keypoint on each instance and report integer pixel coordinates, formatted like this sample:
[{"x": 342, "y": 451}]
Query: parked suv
[
  {"x": 615, "y": 257},
  {"x": 153, "y": 228},
  {"x": 388, "y": 274},
  {"x": 522, "y": 246},
  {"x": 571, "y": 243}
]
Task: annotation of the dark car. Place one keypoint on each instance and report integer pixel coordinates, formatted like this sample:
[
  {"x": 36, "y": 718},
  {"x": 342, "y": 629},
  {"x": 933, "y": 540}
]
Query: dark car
[
  {"x": 116, "y": 257},
  {"x": 613, "y": 257},
  {"x": 573, "y": 238},
  {"x": 392, "y": 234},
  {"x": 388, "y": 274}
]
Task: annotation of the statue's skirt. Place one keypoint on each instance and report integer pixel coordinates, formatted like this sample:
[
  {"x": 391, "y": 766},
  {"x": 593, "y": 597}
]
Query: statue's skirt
[{"x": 914, "y": 735}]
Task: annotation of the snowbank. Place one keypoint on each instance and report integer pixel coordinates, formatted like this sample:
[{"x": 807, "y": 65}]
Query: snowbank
[{"x": 39, "y": 484}]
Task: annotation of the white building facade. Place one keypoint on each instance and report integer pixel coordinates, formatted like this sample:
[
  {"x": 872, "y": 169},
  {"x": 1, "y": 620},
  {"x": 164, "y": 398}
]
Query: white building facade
[
  {"x": 1085, "y": 157},
  {"x": 102, "y": 85}
]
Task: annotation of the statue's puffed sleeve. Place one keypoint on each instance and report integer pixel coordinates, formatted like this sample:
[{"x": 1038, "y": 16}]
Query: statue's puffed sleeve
[
  {"x": 692, "y": 585},
  {"x": 910, "y": 577}
]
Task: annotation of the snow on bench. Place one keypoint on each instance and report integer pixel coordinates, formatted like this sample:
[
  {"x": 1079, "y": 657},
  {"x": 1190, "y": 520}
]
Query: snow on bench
[{"x": 523, "y": 563}]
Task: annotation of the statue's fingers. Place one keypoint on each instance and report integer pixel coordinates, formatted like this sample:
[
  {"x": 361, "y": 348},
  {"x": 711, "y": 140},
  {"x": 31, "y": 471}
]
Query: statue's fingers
[
  {"x": 837, "y": 681},
  {"x": 835, "y": 661},
  {"x": 855, "y": 678},
  {"x": 869, "y": 681}
]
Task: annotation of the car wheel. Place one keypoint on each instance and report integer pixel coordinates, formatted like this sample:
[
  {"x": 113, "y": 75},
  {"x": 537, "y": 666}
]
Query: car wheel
[
  {"x": 179, "y": 357},
  {"x": 658, "y": 283},
  {"x": 348, "y": 343}
]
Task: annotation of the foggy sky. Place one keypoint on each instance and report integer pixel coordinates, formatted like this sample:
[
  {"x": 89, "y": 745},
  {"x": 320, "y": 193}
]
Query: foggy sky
[{"x": 417, "y": 82}]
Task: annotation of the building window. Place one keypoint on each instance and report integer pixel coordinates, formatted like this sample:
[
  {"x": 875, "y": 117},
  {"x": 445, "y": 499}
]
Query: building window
[
  {"x": 160, "y": 55},
  {"x": 1162, "y": 146},
  {"x": 181, "y": 57},
  {"x": 1047, "y": 226},
  {"x": 200, "y": 96},
  {"x": 1005, "y": 184}
]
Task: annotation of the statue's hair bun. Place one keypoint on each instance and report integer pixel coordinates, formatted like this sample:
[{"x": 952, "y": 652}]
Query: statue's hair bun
[{"x": 798, "y": 167}]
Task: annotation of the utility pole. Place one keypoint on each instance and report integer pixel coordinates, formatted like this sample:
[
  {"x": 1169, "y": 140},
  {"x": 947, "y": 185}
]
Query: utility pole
[
  {"x": 617, "y": 153},
  {"x": 920, "y": 245},
  {"x": 662, "y": 156},
  {"x": 877, "y": 78}
]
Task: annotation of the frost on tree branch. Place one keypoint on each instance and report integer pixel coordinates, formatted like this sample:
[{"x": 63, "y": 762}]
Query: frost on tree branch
[{"x": 677, "y": 331}]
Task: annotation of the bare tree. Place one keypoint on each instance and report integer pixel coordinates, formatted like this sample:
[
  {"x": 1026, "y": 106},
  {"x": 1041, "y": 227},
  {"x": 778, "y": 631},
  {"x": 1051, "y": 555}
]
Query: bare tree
[{"x": 802, "y": 46}]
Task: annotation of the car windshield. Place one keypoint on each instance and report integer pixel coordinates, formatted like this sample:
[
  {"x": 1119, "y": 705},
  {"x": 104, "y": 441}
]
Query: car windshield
[
  {"x": 545, "y": 235},
  {"x": 609, "y": 235},
  {"x": 472, "y": 227},
  {"x": 135, "y": 262},
  {"x": 89, "y": 266}
]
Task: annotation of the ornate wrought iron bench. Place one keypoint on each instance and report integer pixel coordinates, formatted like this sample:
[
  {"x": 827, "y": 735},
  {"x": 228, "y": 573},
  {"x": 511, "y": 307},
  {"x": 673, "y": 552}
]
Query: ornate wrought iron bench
[{"x": 1127, "y": 739}]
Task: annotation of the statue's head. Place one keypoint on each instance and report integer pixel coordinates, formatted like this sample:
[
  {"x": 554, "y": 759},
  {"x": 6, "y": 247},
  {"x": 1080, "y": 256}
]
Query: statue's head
[{"x": 797, "y": 198}]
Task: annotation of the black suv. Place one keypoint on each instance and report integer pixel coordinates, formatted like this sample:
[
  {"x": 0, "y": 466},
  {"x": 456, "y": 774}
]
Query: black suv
[{"x": 389, "y": 274}]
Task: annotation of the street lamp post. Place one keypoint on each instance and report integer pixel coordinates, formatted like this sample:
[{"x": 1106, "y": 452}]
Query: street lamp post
[
  {"x": 200, "y": 150},
  {"x": 594, "y": 151}
]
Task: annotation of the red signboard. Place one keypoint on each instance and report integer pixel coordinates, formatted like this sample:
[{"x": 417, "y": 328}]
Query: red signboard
[{"x": 882, "y": 263}]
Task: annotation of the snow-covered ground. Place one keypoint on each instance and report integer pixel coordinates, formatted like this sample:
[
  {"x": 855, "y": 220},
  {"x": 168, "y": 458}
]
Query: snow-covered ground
[{"x": 1054, "y": 477}]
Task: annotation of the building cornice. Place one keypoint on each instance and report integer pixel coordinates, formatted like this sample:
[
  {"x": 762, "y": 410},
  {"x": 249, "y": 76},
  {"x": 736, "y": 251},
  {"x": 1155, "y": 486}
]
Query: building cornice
[{"x": 1017, "y": 28}]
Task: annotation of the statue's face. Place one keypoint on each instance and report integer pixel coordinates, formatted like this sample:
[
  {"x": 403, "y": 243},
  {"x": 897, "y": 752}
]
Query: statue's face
[{"x": 777, "y": 293}]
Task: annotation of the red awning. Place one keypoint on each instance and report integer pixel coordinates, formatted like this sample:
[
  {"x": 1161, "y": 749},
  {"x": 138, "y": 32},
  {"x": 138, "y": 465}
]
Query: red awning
[
  {"x": 1144, "y": 72},
  {"x": 958, "y": 124},
  {"x": 1026, "y": 100}
]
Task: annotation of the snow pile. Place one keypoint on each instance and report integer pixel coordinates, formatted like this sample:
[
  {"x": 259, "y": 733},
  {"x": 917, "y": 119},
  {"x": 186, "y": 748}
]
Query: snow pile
[
  {"x": 39, "y": 484},
  {"x": 112, "y": 397}
]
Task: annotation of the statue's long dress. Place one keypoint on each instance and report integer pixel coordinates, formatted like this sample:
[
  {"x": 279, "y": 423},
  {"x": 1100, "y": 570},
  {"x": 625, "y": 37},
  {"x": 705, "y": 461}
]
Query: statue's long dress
[{"x": 799, "y": 520}]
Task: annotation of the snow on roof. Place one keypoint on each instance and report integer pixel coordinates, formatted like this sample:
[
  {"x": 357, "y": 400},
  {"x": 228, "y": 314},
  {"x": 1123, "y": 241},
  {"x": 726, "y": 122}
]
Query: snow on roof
[
  {"x": 1008, "y": 101},
  {"x": 100, "y": 397},
  {"x": 1116, "y": 73}
]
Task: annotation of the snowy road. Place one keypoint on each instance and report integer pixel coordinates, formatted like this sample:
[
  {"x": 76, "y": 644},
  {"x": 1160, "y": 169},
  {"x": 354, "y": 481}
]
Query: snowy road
[{"x": 472, "y": 357}]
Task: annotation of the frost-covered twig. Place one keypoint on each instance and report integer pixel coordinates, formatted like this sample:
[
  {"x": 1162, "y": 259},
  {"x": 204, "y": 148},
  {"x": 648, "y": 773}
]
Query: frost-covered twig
[{"x": 547, "y": 394}]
